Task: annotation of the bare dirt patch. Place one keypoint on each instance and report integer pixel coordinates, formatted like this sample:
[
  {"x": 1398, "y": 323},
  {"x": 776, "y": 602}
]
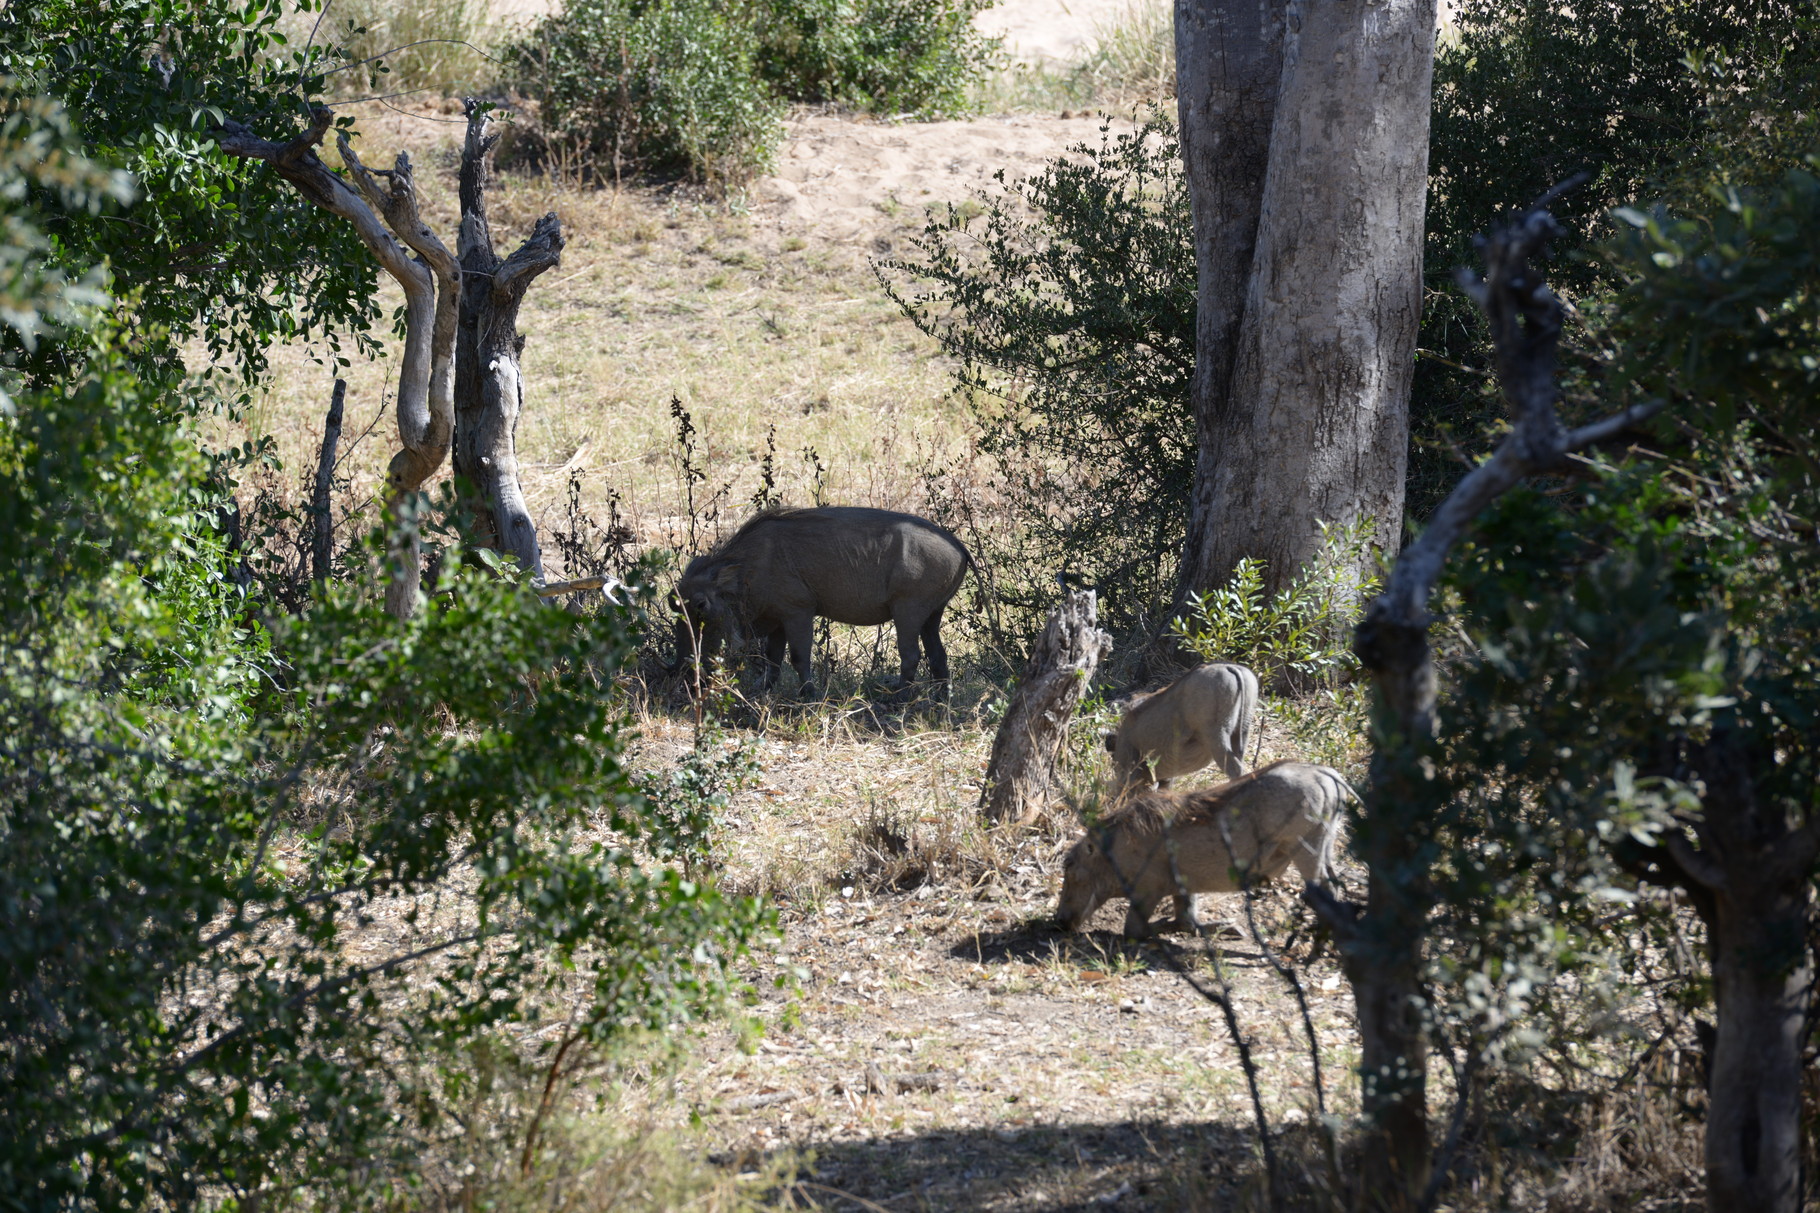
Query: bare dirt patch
[{"x": 940, "y": 1046}]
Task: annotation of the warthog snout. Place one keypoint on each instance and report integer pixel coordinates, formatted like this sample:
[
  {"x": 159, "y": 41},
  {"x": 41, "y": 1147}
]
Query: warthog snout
[{"x": 1088, "y": 882}]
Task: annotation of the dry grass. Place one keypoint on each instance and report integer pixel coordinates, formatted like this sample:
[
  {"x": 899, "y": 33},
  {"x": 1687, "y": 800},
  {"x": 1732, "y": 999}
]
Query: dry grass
[
  {"x": 1130, "y": 63},
  {"x": 770, "y": 343}
]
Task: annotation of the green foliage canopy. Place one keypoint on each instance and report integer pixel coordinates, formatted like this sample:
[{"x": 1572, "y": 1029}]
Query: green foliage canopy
[
  {"x": 1667, "y": 603},
  {"x": 212, "y": 248},
  {"x": 263, "y": 887},
  {"x": 1529, "y": 93},
  {"x": 919, "y": 57}
]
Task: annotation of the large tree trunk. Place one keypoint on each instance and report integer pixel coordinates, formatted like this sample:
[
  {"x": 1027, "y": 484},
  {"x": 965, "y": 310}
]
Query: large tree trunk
[
  {"x": 1753, "y": 1125},
  {"x": 489, "y": 390},
  {"x": 1229, "y": 59},
  {"x": 1750, "y": 878},
  {"x": 1311, "y": 423}
]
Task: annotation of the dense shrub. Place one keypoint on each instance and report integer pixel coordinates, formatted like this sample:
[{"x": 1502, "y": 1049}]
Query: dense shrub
[
  {"x": 698, "y": 86},
  {"x": 1527, "y": 94},
  {"x": 889, "y": 56},
  {"x": 1068, "y": 302},
  {"x": 664, "y": 85},
  {"x": 1299, "y": 637},
  {"x": 215, "y": 254},
  {"x": 264, "y": 889}
]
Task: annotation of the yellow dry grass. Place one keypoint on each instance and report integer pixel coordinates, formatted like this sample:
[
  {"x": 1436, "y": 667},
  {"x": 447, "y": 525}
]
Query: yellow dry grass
[{"x": 761, "y": 336}]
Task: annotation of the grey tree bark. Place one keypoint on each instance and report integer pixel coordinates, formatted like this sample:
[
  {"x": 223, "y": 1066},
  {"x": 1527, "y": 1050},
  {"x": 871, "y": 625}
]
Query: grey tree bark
[
  {"x": 1747, "y": 863},
  {"x": 489, "y": 389},
  {"x": 1381, "y": 942},
  {"x": 322, "y": 507},
  {"x": 1020, "y": 777},
  {"x": 1755, "y": 865},
  {"x": 1229, "y": 61},
  {"x": 1306, "y": 333},
  {"x": 431, "y": 280}
]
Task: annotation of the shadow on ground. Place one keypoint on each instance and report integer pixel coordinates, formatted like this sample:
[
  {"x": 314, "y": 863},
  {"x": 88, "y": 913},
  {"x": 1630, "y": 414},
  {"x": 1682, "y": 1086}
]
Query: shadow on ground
[
  {"x": 1139, "y": 1165},
  {"x": 1035, "y": 942}
]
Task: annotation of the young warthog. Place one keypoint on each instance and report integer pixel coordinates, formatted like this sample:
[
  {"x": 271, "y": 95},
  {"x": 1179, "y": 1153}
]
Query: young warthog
[
  {"x": 1204, "y": 716},
  {"x": 1210, "y": 840},
  {"x": 846, "y": 563}
]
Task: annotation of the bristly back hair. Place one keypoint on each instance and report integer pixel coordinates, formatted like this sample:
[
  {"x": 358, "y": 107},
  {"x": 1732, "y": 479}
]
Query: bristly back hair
[
  {"x": 769, "y": 513},
  {"x": 1154, "y": 811}
]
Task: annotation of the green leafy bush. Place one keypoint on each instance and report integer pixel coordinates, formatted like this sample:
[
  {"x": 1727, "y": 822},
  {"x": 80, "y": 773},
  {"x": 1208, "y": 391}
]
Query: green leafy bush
[
  {"x": 889, "y": 56},
  {"x": 1303, "y": 633},
  {"x": 261, "y": 894},
  {"x": 698, "y": 86},
  {"x": 1528, "y": 93},
  {"x": 1068, "y": 302},
  {"x": 664, "y": 85},
  {"x": 213, "y": 250}
]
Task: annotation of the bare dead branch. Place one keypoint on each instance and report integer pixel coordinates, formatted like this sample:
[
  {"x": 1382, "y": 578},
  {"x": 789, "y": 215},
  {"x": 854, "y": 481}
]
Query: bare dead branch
[
  {"x": 322, "y": 519},
  {"x": 425, "y": 405},
  {"x": 542, "y": 250}
]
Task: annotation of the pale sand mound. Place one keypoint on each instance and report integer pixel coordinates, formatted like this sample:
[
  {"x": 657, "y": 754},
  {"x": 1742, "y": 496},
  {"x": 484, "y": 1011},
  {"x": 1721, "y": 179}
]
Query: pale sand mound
[
  {"x": 841, "y": 180},
  {"x": 1053, "y": 30}
]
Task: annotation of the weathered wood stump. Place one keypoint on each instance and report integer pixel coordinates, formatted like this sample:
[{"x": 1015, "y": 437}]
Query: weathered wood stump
[
  {"x": 1020, "y": 779},
  {"x": 322, "y": 512},
  {"x": 489, "y": 390}
]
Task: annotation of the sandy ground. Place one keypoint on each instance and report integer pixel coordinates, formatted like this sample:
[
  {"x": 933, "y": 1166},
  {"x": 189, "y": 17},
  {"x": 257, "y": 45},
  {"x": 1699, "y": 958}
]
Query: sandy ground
[
  {"x": 841, "y": 178},
  {"x": 1054, "y": 30}
]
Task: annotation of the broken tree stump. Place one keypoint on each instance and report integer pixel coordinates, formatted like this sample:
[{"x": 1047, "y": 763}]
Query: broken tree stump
[
  {"x": 489, "y": 390},
  {"x": 1020, "y": 779},
  {"x": 322, "y": 515}
]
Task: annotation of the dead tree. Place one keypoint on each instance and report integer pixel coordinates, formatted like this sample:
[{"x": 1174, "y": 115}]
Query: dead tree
[
  {"x": 431, "y": 280},
  {"x": 1381, "y": 943},
  {"x": 459, "y": 382},
  {"x": 322, "y": 517},
  {"x": 1020, "y": 779},
  {"x": 489, "y": 389}
]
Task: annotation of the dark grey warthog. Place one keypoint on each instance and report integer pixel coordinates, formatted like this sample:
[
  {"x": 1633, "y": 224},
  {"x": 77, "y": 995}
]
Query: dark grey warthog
[
  {"x": 1204, "y": 716},
  {"x": 846, "y": 563},
  {"x": 1176, "y": 844}
]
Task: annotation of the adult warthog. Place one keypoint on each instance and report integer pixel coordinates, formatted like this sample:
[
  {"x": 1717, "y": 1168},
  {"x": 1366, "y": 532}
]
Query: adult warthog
[
  {"x": 1208, "y": 840},
  {"x": 784, "y": 568},
  {"x": 1204, "y": 716}
]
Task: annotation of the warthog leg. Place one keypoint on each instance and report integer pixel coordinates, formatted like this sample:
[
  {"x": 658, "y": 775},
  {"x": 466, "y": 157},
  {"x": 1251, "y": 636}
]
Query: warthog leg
[
  {"x": 774, "y": 658},
  {"x": 1185, "y": 915},
  {"x": 800, "y": 632},
  {"x": 938, "y": 655}
]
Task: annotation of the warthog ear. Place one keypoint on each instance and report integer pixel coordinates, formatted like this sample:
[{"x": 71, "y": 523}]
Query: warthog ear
[
  {"x": 727, "y": 577},
  {"x": 1112, "y": 742}
]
